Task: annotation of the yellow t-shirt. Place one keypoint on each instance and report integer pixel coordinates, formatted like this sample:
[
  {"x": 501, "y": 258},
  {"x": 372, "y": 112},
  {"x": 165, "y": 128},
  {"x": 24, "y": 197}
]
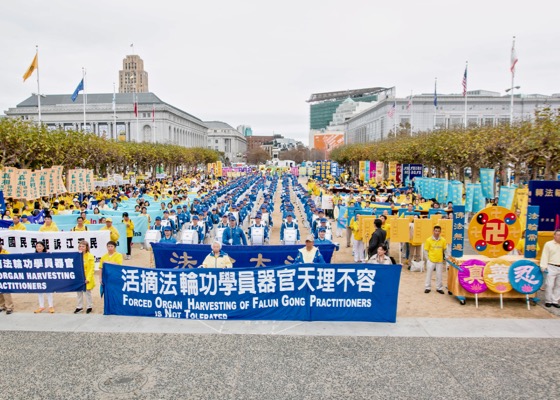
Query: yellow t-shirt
[
  {"x": 51, "y": 228},
  {"x": 387, "y": 228},
  {"x": 129, "y": 228},
  {"x": 116, "y": 258},
  {"x": 435, "y": 249},
  {"x": 18, "y": 227},
  {"x": 78, "y": 229},
  {"x": 520, "y": 247}
]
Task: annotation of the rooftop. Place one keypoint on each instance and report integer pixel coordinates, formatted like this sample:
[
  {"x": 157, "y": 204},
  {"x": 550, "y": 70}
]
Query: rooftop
[{"x": 343, "y": 94}]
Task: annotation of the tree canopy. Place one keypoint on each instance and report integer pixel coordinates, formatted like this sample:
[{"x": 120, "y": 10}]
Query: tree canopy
[
  {"x": 27, "y": 145},
  {"x": 530, "y": 148}
]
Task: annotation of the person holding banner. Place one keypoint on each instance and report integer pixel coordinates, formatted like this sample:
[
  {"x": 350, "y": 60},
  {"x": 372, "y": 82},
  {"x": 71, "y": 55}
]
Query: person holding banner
[
  {"x": 16, "y": 224},
  {"x": 381, "y": 257},
  {"x": 168, "y": 236},
  {"x": 6, "y": 303},
  {"x": 129, "y": 233},
  {"x": 112, "y": 256},
  {"x": 309, "y": 254},
  {"x": 89, "y": 273},
  {"x": 40, "y": 248},
  {"x": 49, "y": 225},
  {"x": 434, "y": 250},
  {"x": 80, "y": 227},
  {"x": 550, "y": 262},
  {"x": 217, "y": 258},
  {"x": 109, "y": 227}
]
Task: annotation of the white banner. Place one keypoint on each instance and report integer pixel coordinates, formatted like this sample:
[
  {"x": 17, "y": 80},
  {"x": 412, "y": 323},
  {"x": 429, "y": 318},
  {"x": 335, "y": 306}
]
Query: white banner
[{"x": 16, "y": 242}]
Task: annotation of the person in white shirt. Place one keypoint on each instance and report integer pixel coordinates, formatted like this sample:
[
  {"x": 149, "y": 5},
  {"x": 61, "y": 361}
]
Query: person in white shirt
[
  {"x": 550, "y": 262},
  {"x": 381, "y": 257}
]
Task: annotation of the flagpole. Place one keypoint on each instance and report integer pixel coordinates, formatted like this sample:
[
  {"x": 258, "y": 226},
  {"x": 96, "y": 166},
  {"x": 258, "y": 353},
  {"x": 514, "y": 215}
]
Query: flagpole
[
  {"x": 154, "y": 122},
  {"x": 411, "y": 113},
  {"x": 84, "y": 95},
  {"x": 38, "y": 85},
  {"x": 511, "y": 92},
  {"x": 435, "y": 103},
  {"x": 114, "y": 113},
  {"x": 466, "y": 66}
]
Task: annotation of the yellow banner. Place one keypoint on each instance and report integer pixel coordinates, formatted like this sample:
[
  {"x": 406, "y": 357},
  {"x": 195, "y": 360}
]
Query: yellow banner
[
  {"x": 400, "y": 229},
  {"x": 393, "y": 171}
]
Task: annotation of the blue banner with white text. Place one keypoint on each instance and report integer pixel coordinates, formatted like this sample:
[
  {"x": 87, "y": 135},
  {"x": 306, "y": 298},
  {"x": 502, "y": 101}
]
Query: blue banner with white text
[
  {"x": 42, "y": 273},
  {"x": 192, "y": 255},
  {"x": 531, "y": 232},
  {"x": 546, "y": 195},
  {"x": 306, "y": 292},
  {"x": 457, "y": 238}
]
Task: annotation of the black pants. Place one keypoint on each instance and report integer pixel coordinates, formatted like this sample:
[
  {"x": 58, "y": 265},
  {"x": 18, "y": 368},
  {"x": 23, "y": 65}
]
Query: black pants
[{"x": 128, "y": 245}]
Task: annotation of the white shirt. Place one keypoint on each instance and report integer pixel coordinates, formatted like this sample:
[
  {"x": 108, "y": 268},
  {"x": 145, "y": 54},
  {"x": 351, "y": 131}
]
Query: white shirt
[{"x": 550, "y": 254}]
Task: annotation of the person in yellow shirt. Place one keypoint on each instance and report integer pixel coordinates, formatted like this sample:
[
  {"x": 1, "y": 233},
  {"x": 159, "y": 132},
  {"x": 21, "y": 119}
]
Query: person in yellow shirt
[
  {"x": 434, "y": 250},
  {"x": 89, "y": 273},
  {"x": 17, "y": 225},
  {"x": 357, "y": 239},
  {"x": 112, "y": 256},
  {"x": 129, "y": 233},
  {"x": 109, "y": 227},
  {"x": 520, "y": 246},
  {"x": 6, "y": 302},
  {"x": 49, "y": 225},
  {"x": 80, "y": 225}
]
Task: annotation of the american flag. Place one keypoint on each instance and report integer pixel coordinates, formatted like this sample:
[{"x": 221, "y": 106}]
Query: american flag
[
  {"x": 391, "y": 111},
  {"x": 513, "y": 57},
  {"x": 409, "y": 104},
  {"x": 465, "y": 82},
  {"x": 153, "y": 112}
]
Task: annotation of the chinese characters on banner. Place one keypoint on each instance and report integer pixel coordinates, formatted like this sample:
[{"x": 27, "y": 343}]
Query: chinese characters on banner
[
  {"x": 546, "y": 194},
  {"x": 525, "y": 276},
  {"x": 379, "y": 171},
  {"x": 531, "y": 232},
  {"x": 80, "y": 180},
  {"x": 457, "y": 238},
  {"x": 24, "y": 241},
  {"x": 496, "y": 275},
  {"x": 471, "y": 276},
  {"x": 30, "y": 185},
  {"x": 308, "y": 292},
  {"x": 42, "y": 273}
]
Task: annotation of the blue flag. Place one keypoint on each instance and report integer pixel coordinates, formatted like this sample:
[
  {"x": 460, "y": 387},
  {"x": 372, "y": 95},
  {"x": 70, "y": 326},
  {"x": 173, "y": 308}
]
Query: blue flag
[{"x": 78, "y": 90}]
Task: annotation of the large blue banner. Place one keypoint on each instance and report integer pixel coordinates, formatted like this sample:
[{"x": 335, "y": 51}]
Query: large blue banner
[
  {"x": 306, "y": 292},
  {"x": 531, "y": 232},
  {"x": 42, "y": 273},
  {"x": 192, "y": 255},
  {"x": 506, "y": 197},
  {"x": 487, "y": 182},
  {"x": 457, "y": 238},
  {"x": 546, "y": 195}
]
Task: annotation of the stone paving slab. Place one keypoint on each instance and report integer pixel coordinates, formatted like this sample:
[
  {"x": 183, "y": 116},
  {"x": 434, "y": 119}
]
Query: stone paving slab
[{"x": 77, "y": 365}]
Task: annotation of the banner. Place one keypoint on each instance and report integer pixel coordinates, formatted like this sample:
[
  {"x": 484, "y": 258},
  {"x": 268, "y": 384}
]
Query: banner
[
  {"x": 399, "y": 173},
  {"x": 531, "y": 232},
  {"x": 30, "y": 185},
  {"x": 412, "y": 171},
  {"x": 18, "y": 242},
  {"x": 507, "y": 194},
  {"x": 308, "y": 292},
  {"x": 80, "y": 180},
  {"x": 42, "y": 273},
  {"x": 392, "y": 171},
  {"x": 546, "y": 195},
  {"x": 379, "y": 171},
  {"x": 487, "y": 176},
  {"x": 455, "y": 192},
  {"x": 192, "y": 255},
  {"x": 458, "y": 239}
]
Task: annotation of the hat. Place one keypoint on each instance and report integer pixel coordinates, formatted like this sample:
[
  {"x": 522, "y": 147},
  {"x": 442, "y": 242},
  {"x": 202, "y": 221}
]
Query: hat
[
  {"x": 173, "y": 211},
  {"x": 158, "y": 218},
  {"x": 179, "y": 207},
  {"x": 310, "y": 238},
  {"x": 224, "y": 216},
  {"x": 24, "y": 216},
  {"x": 320, "y": 211},
  {"x": 290, "y": 215},
  {"x": 185, "y": 206},
  {"x": 166, "y": 212},
  {"x": 167, "y": 228},
  {"x": 205, "y": 209},
  {"x": 322, "y": 220},
  {"x": 195, "y": 217},
  {"x": 232, "y": 218},
  {"x": 258, "y": 215},
  {"x": 109, "y": 219},
  {"x": 322, "y": 230}
]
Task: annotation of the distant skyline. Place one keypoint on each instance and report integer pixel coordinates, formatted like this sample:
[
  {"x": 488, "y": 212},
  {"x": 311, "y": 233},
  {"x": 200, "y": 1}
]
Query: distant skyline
[{"x": 255, "y": 63}]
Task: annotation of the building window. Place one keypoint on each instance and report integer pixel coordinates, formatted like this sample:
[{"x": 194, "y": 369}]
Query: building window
[{"x": 216, "y": 141}]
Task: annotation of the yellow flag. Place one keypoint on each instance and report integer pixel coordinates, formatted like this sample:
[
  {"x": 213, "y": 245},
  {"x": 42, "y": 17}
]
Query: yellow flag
[{"x": 31, "y": 68}]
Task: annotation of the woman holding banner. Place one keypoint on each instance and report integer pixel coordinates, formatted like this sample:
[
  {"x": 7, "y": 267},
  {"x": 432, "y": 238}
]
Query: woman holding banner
[
  {"x": 40, "y": 248},
  {"x": 217, "y": 258},
  {"x": 89, "y": 273}
]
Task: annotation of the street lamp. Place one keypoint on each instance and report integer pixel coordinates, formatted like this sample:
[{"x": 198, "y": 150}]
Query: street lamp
[{"x": 511, "y": 102}]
